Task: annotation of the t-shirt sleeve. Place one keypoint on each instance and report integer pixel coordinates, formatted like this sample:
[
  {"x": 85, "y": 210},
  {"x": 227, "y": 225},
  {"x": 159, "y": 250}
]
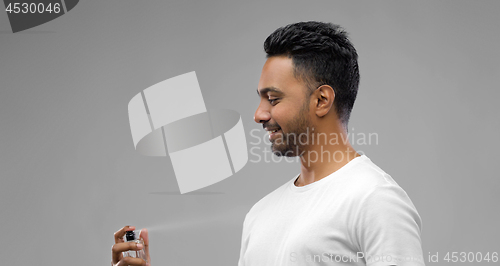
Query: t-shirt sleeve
[{"x": 388, "y": 228}]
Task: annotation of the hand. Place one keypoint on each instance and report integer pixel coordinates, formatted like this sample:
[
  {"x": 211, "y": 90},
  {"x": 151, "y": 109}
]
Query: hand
[{"x": 121, "y": 246}]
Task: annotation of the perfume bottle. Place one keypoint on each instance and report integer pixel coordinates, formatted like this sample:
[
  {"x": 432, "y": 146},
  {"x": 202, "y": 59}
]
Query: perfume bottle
[{"x": 131, "y": 236}]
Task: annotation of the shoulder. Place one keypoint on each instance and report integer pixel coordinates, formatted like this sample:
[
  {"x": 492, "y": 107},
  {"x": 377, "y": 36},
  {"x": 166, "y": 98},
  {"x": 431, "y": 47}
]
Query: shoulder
[
  {"x": 363, "y": 177},
  {"x": 372, "y": 187},
  {"x": 369, "y": 195}
]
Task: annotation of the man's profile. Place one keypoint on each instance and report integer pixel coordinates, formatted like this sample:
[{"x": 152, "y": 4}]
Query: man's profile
[{"x": 341, "y": 209}]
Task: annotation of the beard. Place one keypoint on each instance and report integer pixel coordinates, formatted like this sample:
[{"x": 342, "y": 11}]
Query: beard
[{"x": 294, "y": 142}]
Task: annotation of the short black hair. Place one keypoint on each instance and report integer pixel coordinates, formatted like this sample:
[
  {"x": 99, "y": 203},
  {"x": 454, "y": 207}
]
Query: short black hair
[{"x": 322, "y": 55}]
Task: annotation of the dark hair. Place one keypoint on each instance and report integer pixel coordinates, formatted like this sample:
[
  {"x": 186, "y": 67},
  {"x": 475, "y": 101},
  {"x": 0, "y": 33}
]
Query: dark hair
[{"x": 322, "y": 54}]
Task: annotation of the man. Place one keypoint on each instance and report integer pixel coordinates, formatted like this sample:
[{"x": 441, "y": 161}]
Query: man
[{"x": 341, "y": 209}]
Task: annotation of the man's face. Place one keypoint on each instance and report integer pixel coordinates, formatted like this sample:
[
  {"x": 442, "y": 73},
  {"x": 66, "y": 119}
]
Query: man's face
[{"x": 284, "y": 107}]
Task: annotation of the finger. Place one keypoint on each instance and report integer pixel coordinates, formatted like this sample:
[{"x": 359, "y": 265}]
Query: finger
[
  {"x": 125, "y": 246},
  {"x": 145, "y": 237},
  {"x": 118, "y": 248},
  {"x": 120, "y": 233},
  {"x": 131, "y": 261}
]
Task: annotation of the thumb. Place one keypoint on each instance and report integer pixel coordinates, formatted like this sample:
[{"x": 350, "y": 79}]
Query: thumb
[{"x": 145, "y": 237}]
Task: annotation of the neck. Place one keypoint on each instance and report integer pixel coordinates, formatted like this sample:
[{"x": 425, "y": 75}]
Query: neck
[{"x": 327, "y": 153}]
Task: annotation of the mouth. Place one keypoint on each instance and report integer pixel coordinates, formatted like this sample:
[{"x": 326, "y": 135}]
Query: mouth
[{"x": 272, "y": 133}]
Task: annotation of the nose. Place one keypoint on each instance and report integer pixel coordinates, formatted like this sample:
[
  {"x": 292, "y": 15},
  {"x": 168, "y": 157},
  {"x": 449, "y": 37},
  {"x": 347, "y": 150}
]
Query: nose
[{"x": 262, "y": 114}]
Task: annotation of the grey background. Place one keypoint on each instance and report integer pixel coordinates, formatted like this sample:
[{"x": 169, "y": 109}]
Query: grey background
[{"x": 70, "y": 176}]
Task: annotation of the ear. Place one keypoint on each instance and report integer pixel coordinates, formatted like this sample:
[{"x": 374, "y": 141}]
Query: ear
[{"x": 323, "y": 98}]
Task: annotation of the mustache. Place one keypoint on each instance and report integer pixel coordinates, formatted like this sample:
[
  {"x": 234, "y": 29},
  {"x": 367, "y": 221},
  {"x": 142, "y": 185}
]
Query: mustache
[{"x": 269, "y": 125}]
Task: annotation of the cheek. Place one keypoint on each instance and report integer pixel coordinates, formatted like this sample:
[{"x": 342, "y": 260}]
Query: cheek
[
  {"x": 282, "y": 116},
  {"x": 277, "y": 116}
]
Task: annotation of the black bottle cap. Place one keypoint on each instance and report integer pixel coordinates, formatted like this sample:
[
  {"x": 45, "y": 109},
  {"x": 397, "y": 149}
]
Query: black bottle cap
[{"x": 130, "y": 236}]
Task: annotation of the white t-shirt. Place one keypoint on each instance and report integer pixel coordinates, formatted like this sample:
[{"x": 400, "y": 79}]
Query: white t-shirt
[{"x": 357, "y": 215}]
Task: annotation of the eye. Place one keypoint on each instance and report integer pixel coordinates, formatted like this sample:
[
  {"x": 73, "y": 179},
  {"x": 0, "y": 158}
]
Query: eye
[{"x": 273, "y": 101}]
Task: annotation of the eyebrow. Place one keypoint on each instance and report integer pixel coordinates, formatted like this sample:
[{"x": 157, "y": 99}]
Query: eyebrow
[{"x": 269, "y": 89}]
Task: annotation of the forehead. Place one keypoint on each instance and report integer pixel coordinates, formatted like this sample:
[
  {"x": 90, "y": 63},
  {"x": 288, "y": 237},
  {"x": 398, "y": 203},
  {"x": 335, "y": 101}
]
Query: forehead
[{"x": 278, "y": 72}]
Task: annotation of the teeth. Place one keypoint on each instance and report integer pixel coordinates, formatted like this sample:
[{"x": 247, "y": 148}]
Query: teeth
[{"x": 274, "y": 131}]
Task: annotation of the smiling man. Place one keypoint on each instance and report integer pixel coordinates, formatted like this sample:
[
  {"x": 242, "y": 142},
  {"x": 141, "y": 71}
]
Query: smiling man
[{"x": 341, "y": 209}]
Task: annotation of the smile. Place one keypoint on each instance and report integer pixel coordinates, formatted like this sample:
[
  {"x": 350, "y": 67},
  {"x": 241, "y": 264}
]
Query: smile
[{"x": 273, "y": 131}]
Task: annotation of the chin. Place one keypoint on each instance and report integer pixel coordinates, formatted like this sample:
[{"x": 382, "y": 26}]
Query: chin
[{"x": 284, "y": 151}]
